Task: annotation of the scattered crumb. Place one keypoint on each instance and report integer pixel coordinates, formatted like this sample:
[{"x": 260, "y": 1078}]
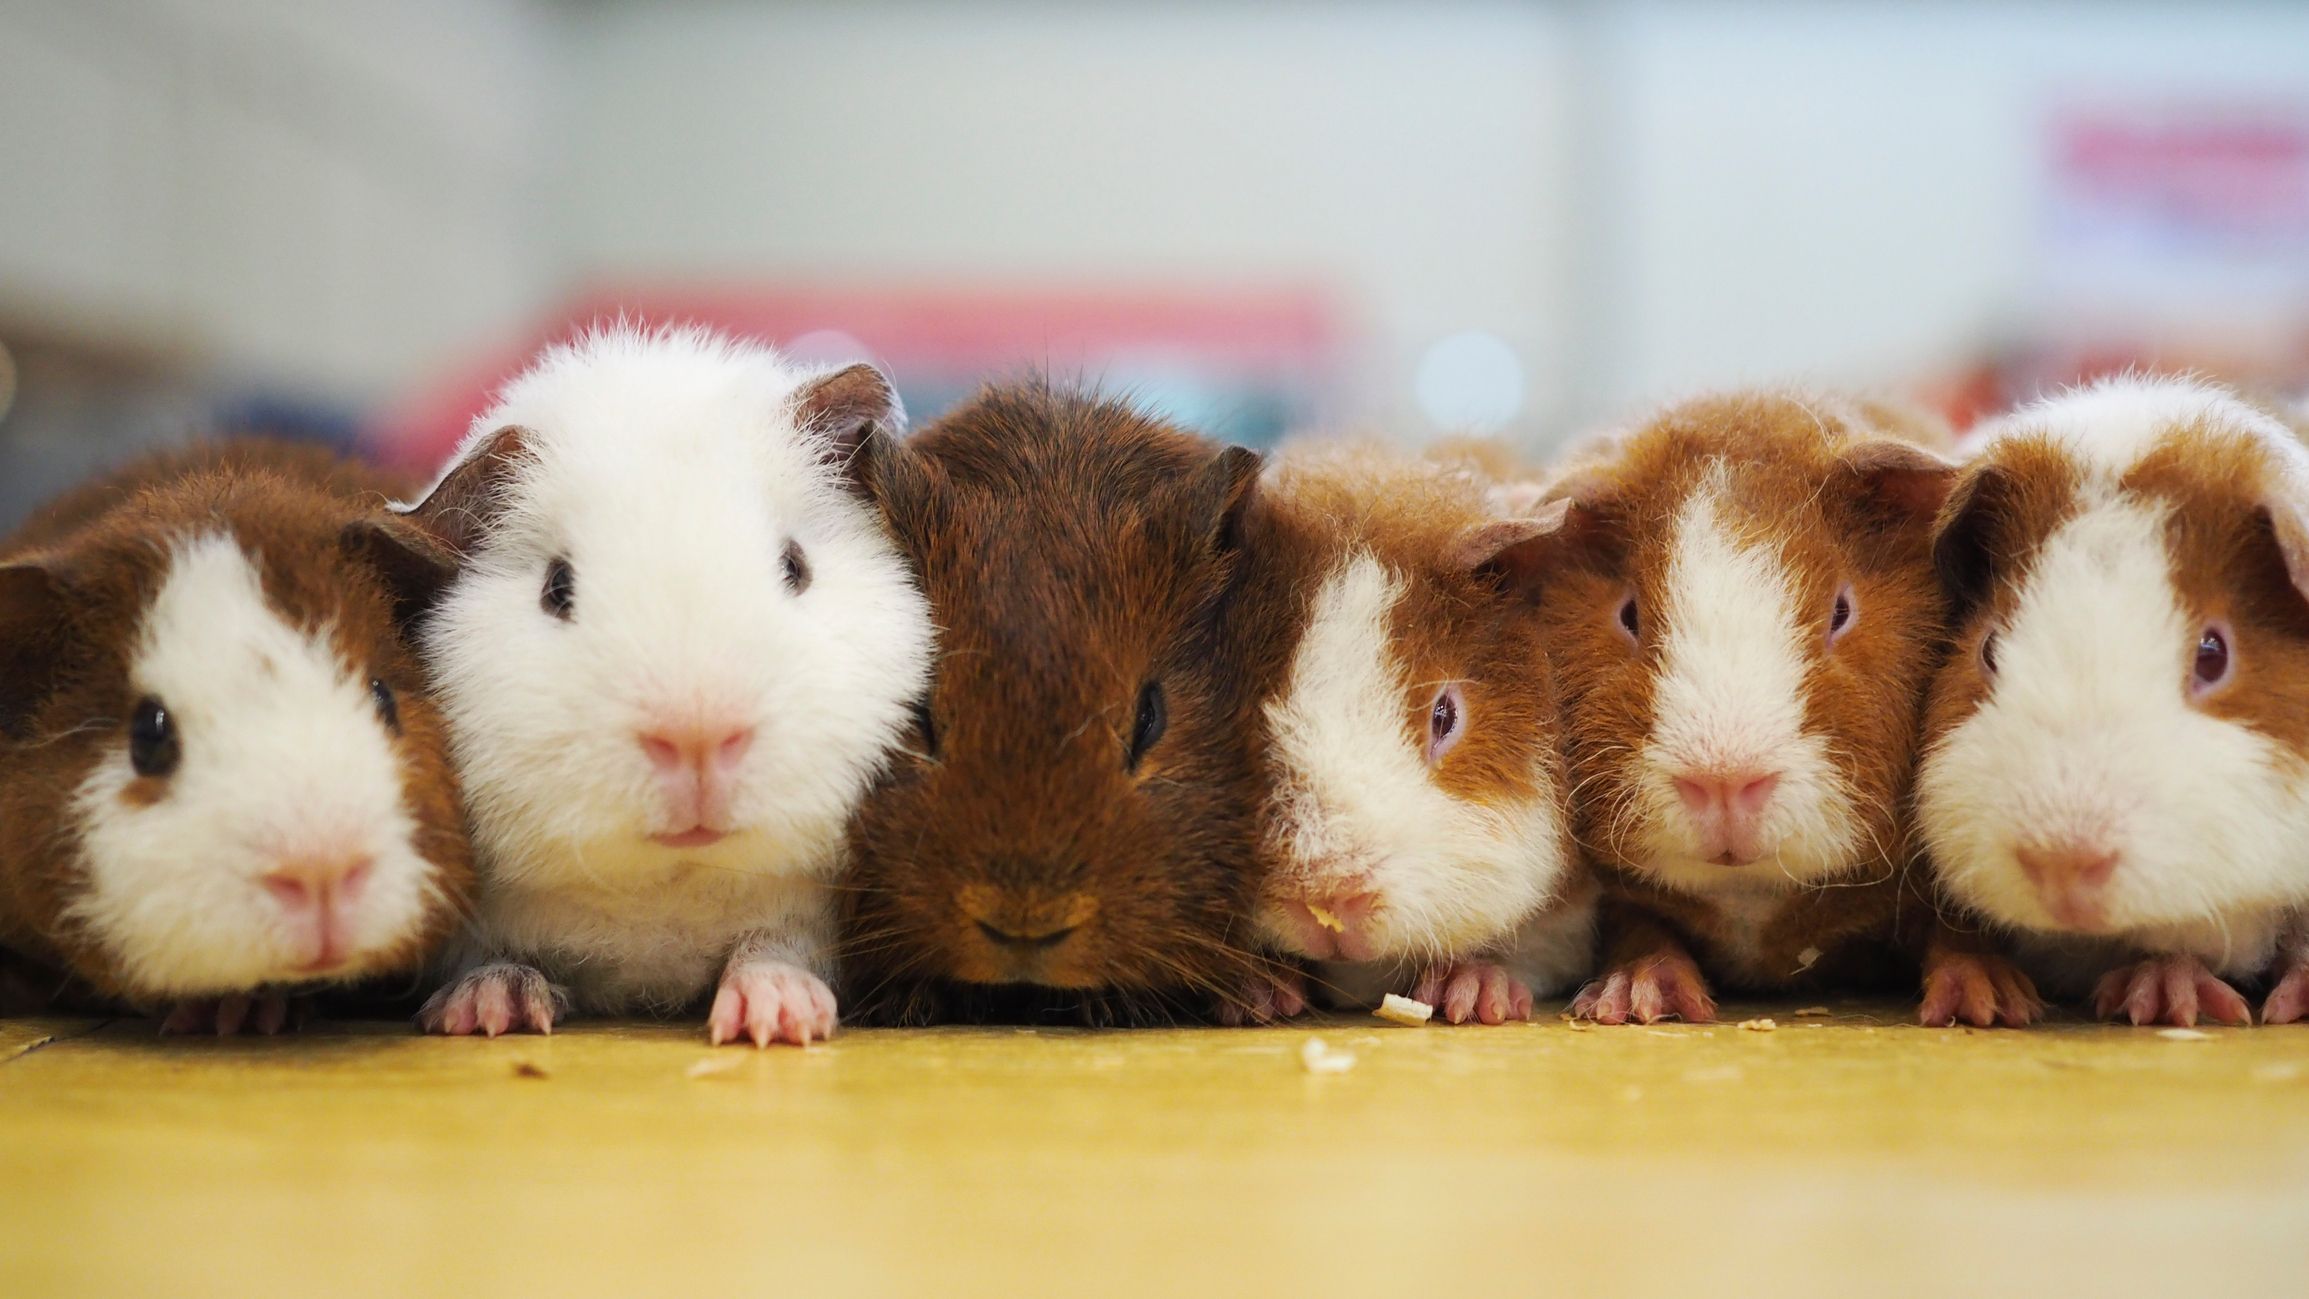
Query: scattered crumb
[
  {"x": 1403, "y": 1010},
  {"x": 2183, "y": 1035},
  {"x": 1758, "y": 1025},
  {"x": 529, "y": 1069},
  {"x": 2276, "y": 1072},
  {"x": 1808, "y": 958},
  {"x": 1327, "y": 919},
  {"x": 1578, "y": 1025},
  {"x": 1720, "y": 1074},
  {"x": 714, "y": 1064},
  {"x": 1661, "y": 1032},
  {"x": 1813, "y": 1012},
  {"x": 1318, "y": 1057}
]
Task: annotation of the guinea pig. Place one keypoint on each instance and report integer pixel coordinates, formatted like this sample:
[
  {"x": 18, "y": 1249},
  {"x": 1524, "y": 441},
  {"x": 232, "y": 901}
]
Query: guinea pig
[
  {"x": 1742, "y": 613},
  {"x": 1072, "y": 820},
  {"x": 2116, "y": 774},
  {"x": 1414, "y": 835},
  {"x": 678, "y": 647},
  {"x": 222, "y": 778}
]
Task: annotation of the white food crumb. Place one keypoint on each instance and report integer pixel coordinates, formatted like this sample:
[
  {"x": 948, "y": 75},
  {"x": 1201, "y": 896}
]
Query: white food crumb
[
  {"x": 714, "y": 1064},
  {"x": 2183, "y": 1035},
  {"x": 1318, "y": 1057},
  {"x": 1403, "y": 1010},
  {"x": 1758, "y": 1025},
  {"x": 2276, "y": 1073},
  {"x": 1808, "y": 958},
  {"x": 1814, "y": 1012}
]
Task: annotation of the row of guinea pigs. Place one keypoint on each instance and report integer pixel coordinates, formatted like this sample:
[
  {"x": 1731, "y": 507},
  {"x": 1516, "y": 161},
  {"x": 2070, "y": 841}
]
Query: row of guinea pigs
[{"x": 689, "y": 684}]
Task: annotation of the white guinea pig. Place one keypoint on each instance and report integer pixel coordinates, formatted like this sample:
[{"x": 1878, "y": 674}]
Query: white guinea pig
[
  {"x": 1414, "y": 836},
  {"x": 2114, "y": 772},
  {"x": 678, "y": 649}
]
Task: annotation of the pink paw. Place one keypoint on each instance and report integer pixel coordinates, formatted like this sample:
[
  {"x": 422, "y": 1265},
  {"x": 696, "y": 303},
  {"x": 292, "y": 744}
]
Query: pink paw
[
  {"x": 499, "y": 998},
  {"x": 1479, "y": 990},
  {"x": 771, "y": 1001},
  {"x": 2169, "y": 990},
  {"x": 264, "y": 1012},
  {"x": 1267, "y": 998},
  {"x": 1660, "y": 987},
  {"x": 1977, "y": 989},
  {"x": 2288, "y": 1002}
]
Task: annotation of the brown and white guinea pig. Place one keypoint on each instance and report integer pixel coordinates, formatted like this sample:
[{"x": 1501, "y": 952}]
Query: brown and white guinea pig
[
  {"x": 1414, "y": 835},
  {"x": 2117, "y": 767},
  {"x": 221, "y": 775},
  {"x": 1072, "y": 823},
  {"x": 678, "y": 648},
  {"x": 1743, "y": 614}
]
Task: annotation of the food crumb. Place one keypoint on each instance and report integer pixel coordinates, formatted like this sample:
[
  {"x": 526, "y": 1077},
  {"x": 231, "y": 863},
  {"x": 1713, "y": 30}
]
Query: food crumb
[
  {"x": 1403, "y": 1010},
  {"x": 1813, "y": 1012},
  {"x": 1758, "y": 1025},
  {"x": 714, "y": 1064},
  {"x": 1327, "y": 918},
  {"x": 2183, "y": 1035},
  {"x": 1808, "y": 958},
  {"x": 1578, "y": 1025},
  {"x": 529, "y": 1069},
  {"x": 2276, "y": 1073},
  {"x": 1318, "y": 1057}
]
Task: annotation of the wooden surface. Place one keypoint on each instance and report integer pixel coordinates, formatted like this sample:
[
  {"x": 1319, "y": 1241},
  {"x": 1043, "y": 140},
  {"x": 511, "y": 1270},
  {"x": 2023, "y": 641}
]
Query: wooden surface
[{"x": 1858, "y": 1156}]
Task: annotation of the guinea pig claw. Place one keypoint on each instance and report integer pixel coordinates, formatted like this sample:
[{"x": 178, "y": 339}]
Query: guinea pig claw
[
  {"x": 501, "y": 997},
  {"x": 1265, "y": 999},
  {"x": 1645, "y": 991},
  {"x": 765, "y": 1001},
  {"x": 2169, "y": 990},
  {"x": 1480, "y": 990},
  {"x": 262, "y": 1012},
  {"x": 1979, "y": 989},
  {"x": 2288, "y": 1001}
]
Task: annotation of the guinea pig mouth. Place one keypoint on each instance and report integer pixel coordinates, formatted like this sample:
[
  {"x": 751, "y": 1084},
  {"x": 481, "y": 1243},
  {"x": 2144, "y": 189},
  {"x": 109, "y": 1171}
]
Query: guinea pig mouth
[{"x": 697, "y": 836}]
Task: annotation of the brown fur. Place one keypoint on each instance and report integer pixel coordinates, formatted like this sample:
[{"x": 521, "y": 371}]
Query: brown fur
[
  {"x": 1819, "y": 479},
  {"x": 1072, "y": 550},
  {"x": 77, "y": 579}
]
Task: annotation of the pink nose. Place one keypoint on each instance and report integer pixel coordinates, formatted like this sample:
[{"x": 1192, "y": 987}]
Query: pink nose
[
  {"x": 2069, "y": 875},
  {"x": 317, "y": 896},
  {"x": 1337, "y": 926},
  {"x": 694, "y": 764},
  {"x": 1727, "y": 807}
]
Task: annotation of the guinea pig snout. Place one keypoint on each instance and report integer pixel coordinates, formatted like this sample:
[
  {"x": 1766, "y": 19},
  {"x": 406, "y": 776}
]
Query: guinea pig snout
[
  {"x": 319, "y": 896},
  {"x": 1341, "y": 924},
  {"x": 1727, "y": 804},
  {"x": 2071, "y": 877},
  {"x": 1023, "y": 937},
  {"x": 695, "y": 763}
]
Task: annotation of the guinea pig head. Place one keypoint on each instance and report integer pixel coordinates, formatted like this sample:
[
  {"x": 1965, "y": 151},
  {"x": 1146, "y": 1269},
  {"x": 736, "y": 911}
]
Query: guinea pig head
[
  {"x": 2116, "y": 740},
  {"x": 223, "y": 769},
  {"x": 1074, "y": 812},
  {"x": 1412, "y": 755},
  {"x": 1744, "y": 615},
  {"x": 678, "y": 633}
]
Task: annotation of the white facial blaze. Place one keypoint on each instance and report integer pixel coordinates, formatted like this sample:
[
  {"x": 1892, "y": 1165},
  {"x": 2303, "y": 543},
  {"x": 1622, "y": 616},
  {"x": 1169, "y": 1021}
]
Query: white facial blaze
[
  {"x": 1730, "y": 695},
  {"x": 1354, "y": 797},
  {"x": 2088, "y": 734},
  {"x": 283, "y": 755}
]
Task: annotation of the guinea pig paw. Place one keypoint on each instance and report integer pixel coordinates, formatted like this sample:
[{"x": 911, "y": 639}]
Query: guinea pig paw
[
  {"x": 1664, "y": 986},
  {"x": 1478, "y": 990},
  {"x": 494, "y": 999},
  {"x": 264, "y": 1012},
  {"x": 1265, "y": 999},
  {"x": 2288, "y": 1001},
  {"x": 2169, "y": 990},
  {"x": 771, "y": 1001},
  {"x": 1979, "y": 989}
]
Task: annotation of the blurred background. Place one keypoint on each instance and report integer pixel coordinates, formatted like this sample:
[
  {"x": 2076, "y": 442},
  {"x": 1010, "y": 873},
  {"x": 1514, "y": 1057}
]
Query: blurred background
[{"x": 348, "y": 219}]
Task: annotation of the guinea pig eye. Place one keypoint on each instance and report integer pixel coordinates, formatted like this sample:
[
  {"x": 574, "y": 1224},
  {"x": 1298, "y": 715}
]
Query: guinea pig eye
[
  {"x": 559, "y": 597},
  {"x": 1153, "y": 716},
  {"x": 1629, "y": 622},
  {"x": 2213, "y": 660},
  {"x": 1840, "y": 615},
  {"x": 388, "y": 708},
  {"x": 797, "y": 567},
  {"x": 1445, "y": 718},
  {"x": 153, "y": 748}
]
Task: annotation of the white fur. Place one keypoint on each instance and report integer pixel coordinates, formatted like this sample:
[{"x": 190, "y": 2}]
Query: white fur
[
  {"x": 1730, "y": 694},
  {"x": 2113, "y": 424},
  {"x": 283, "y": 755},
  {"x": 1353, "y": 794},
  {"x": 668, "y": 469},
  {"x": 2089, "y": 729}
]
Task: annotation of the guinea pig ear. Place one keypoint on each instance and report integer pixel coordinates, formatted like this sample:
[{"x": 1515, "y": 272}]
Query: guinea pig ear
[
  {"x": 465, "y": 505},
  {"x": 1223, "y": 489},
  {"x": 848, "y": 408},
  {"x": 2291, "y": 533},
  {"x": 1904, "y": 482},
  {"x": 36, "y": 642},
  {"x": 1510, "y": 554},
  {"x": 1964, "y": 537},
  {"x": 416, "y": 567}
]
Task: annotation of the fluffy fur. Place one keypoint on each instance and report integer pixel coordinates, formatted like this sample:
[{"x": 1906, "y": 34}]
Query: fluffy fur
[
  {"x": 674, "y": 474},
  {"x": 230, "y": 584},
  {"x": 2096, "y": 538}
]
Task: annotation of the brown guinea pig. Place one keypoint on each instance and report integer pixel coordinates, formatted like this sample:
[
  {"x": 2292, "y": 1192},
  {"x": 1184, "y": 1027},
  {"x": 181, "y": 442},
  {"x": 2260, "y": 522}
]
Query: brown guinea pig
[
  {"x": 1414, "y": 831},
  {"x": 1743, "y": 614},
  {"x": 1074, "y": 813},
  {"x": 221, "y": 776}
]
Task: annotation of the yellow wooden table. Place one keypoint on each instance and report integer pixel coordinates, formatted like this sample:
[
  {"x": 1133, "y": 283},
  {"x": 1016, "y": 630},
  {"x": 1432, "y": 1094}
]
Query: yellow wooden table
[{"x": 1845, "y": 1155}]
